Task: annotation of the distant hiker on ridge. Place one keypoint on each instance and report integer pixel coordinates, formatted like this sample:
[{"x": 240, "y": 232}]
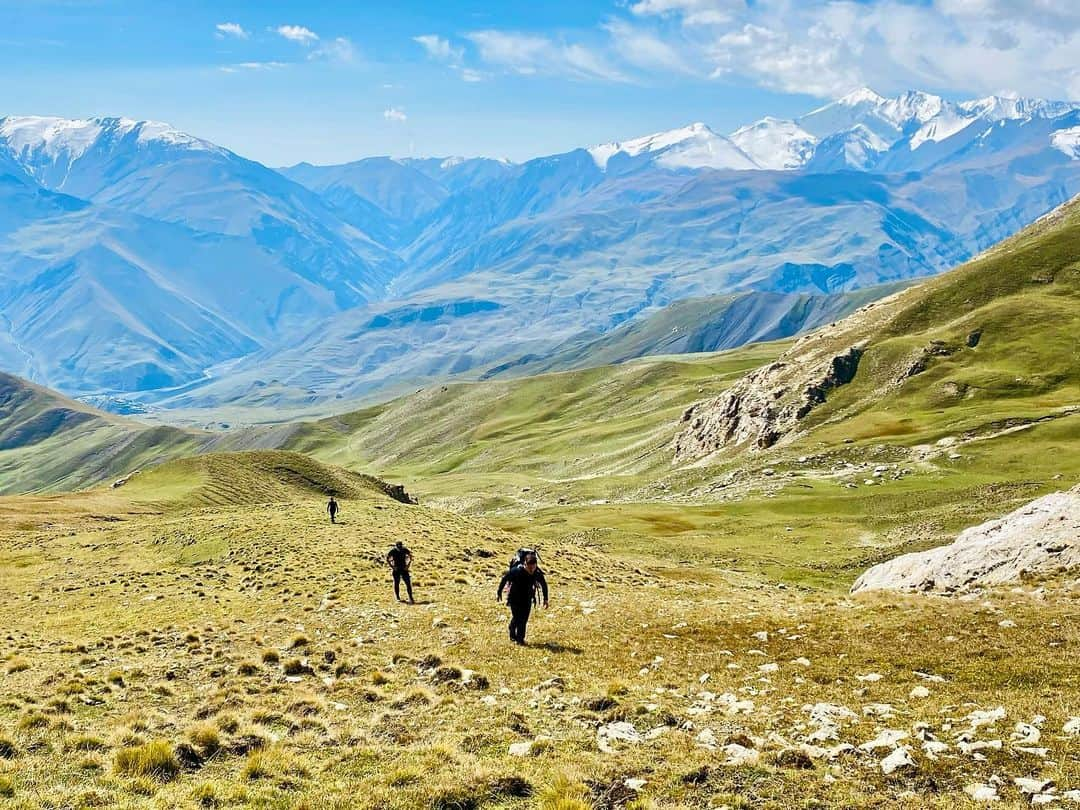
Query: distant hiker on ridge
[
  {"x": 399, "y": 559},
  {"x": 332, "y": 508},
  {"x": 522, "y": 580}
]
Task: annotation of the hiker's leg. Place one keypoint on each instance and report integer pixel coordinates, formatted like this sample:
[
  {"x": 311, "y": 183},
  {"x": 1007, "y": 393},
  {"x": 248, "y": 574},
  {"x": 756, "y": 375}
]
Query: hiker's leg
[
  {"x": 408, "y": 584},
  {"x": 523, "y": 621},
  {"x": 397, "y": 585},
  {"x": 513, "y": 623}
]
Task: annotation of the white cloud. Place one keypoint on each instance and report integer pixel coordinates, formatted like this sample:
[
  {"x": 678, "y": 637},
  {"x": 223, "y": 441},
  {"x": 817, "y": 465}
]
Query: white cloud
[
  {"x": 644, "y": 49},
  {"x": 470, "y": 75},
  {"x": 395, "y": 114},
  {"x": 439, "y": 48},
  {"x": 529, "y": 54},
  {"x": 231, "y": 29},
  {"x": 818, "y": 47},
  {"x": 339, "y": 50},
  {"x": 692, "y": 12},
  {"x": 252, "y": 66},
  {"x": 297, "y": 33}
]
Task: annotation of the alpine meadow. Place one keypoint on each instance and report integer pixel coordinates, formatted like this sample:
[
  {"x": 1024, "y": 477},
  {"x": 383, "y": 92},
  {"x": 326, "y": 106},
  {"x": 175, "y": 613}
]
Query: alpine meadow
[{"x": 731, "y": 466}]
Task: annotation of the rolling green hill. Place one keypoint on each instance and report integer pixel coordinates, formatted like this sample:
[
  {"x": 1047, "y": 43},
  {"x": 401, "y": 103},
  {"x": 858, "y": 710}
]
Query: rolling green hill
[
  {"x": 712, "y": 323},
  {"x": 49, "y": 442}
]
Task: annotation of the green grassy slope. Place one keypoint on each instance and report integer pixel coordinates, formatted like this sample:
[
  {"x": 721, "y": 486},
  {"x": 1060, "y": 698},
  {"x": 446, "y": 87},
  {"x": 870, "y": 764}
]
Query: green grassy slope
[
  {"x": 175, "y": 644},
  {"x": 977, "y": 432},
  {"x": 49, "y": 442},
  {"x": 700, "y": 325},
  {"x": 605, "y": 423},
  {"x": 1021, "y": 300}
]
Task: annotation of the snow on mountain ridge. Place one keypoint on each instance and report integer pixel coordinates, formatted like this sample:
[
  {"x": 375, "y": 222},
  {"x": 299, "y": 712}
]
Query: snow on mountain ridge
[
  {"x": 55, "y": 136},
  {"x": 773, "y": 143},
  {"x": 1067, "y": 141},
  {"x": 692, "y": 147}
]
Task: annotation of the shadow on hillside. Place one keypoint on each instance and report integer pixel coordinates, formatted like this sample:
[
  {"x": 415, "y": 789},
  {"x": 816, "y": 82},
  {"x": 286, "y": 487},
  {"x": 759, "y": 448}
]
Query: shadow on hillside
[{"x": 556, "y": 647}]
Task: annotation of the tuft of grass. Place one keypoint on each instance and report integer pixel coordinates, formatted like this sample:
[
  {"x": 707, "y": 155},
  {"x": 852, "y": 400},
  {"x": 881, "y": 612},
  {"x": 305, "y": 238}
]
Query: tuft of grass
[
  {"x": 299, "y": 641},
  {"x": 7, "y": 787},
  {"x": 33, "y": 720},
  {"x": 564, "y": 793},
  {"x": 155, "y": 760},
  {"x": 297, "y": 666},
  {"x": 7, "y": 748},
  {"x": 247, "y": 668},
  {"x": 206, "y": 738},
  {"x": 16, "y": 664},
  {"x": 206, "y": 795},
  {"x": 86, "y": 742},
  {"x": 268, "y": 763},
  {"x": 270, "y": 657}
]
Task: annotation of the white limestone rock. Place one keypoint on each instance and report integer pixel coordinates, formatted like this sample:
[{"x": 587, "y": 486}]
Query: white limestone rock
[{"x": 1041, "y": 537}]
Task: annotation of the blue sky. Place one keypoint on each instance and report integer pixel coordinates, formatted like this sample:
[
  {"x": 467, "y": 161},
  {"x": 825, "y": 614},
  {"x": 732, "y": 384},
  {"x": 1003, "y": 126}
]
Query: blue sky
[{"x": 286, "y": 81}]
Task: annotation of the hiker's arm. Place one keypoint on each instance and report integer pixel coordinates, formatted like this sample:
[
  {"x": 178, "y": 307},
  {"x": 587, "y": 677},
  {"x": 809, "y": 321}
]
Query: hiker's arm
[
  {"x": 502, "y": 584},
  {"x": 408, "y": 560},
  {"x": 543, "y": 585}
]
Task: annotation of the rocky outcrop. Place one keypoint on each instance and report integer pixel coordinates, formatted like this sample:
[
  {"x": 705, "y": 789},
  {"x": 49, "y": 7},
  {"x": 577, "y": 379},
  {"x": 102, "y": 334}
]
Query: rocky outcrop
[
  {"x": 1042, "y": 537},
  {"x": 763, "y": 406}
]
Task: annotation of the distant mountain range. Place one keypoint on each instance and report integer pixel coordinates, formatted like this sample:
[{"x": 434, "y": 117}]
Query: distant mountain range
[{"x": 139, "y": 260}]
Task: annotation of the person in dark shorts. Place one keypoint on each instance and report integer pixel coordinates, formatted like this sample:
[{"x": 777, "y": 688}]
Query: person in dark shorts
[
  {"x": 399, "y": 559},
  {"x": 522, "y": 581},
  {"x": 332, "y": 508}
]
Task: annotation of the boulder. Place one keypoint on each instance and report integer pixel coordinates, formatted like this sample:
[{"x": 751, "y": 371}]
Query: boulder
[{"x": 1042, "y": 537}]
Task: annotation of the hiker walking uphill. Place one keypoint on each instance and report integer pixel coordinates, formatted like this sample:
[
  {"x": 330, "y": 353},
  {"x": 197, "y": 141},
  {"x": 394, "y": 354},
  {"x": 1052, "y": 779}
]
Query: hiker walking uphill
[
  {"x": 332, "y": 508},
  {"x": 399, "y": 559},
  {"x": 522, "y": 581}
]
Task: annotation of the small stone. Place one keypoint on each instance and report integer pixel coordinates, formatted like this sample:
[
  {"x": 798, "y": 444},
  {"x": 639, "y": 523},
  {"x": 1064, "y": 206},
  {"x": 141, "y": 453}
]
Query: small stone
[
  {"x": 982, "y": 793},
  {"x": 900, "y": 758},
  {"x": 920, "y": 692}
]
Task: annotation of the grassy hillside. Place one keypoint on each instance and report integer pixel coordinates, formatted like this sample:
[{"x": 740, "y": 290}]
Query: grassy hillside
[
  {"x": 991, "y": 344},
  {"x": 203, "y": 637},
  {"x": 894, "y": 461},
  {"x": 708, "y": 324},
  {"x": 49, "y": 442}
]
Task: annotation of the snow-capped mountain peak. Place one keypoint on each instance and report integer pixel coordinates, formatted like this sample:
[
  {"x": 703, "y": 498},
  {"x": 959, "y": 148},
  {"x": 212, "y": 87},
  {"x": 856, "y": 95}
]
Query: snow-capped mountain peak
[
  {"x": 73, "y": 137},
  {"x": 864, "y": 95},
  {"x": 912, "y": 106},
  {"x": 774, "y": 143},
  {"x": 690, "y": 147}
]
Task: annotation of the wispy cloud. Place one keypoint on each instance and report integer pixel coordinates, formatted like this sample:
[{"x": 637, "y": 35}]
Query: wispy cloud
[
  {"x": 440, "y": 48},
  {"x": 823, "y": 48},
  {"x": 470, "y": 75},
  {"x": 252, "y": 66},
  {"x": 529, "y": 54},
  {"x": 339, "y": 49},
  {"x": 231, "y": 29},
  {"x": 693, "y": 12},
  {"x": 395, "y": 114},
  {"x": 827, "y": 47},
  {"x": 297, "y": 33}
]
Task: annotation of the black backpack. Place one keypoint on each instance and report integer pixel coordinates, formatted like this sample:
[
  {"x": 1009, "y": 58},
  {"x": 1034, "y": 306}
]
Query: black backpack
[{"x": 519, "y": 557}]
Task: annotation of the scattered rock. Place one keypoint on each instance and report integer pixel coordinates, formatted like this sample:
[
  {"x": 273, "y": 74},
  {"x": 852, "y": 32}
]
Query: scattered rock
[
  {"x": 900, "y": 758},
  {"x": 1040, "y": 537}
]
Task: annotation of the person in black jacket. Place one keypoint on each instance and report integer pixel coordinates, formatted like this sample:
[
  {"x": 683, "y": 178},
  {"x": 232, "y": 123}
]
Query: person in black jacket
[
  {"x": 523, "y": 580},
  {"x": 399, "y": 558}
]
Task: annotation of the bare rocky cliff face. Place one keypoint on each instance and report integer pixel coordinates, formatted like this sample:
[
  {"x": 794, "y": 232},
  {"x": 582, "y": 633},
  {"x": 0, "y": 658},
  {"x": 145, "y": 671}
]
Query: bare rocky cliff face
[
  {"x": 767, "y": 404},
  {"x": 1039, "y": 538}
]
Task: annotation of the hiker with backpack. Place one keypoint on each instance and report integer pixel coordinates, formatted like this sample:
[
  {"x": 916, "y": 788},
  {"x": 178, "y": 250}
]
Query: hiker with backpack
[
  {"x": 332, "y": 508},
  {"x": 522, "y": 581},
  {"x": 399, "y": 559}
]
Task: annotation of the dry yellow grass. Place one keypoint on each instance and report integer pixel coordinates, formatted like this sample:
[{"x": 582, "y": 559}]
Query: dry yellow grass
[{"x": 140, "y": 628}]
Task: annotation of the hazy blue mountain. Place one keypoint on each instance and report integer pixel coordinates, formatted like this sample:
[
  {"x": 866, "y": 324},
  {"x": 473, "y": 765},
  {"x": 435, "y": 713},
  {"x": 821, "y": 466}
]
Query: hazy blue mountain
[{"x": 215, "y": 279}]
